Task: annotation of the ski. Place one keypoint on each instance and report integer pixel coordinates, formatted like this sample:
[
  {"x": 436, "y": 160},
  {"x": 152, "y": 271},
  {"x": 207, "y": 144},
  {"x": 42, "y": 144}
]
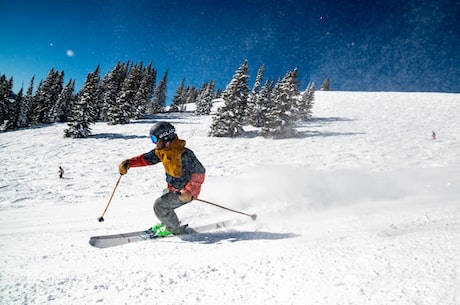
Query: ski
[{"x": 107, "y": 241}]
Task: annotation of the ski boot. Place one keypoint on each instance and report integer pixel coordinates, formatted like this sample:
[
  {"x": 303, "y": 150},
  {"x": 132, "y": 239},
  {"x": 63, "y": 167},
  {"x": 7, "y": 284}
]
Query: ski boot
[{"x": 159, "y": 230}]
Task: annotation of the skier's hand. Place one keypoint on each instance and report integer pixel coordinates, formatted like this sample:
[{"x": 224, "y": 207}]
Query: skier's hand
[
  {"x": 123, "y": 167},
  {"x": 185, "y": 197}
]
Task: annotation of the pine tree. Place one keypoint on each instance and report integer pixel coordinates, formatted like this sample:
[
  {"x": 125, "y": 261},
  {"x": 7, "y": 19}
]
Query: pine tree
[
  {"x": 24, "y": 115},
  {"x": 307, "y": 98},
  {"x": 13, "y": 119},
  {"x": 254, "y": 95},
  {"x": 111, "y": 86},
  {"x": 60, "y": 110},
  {"x": 218, "y": 93},
  {"x": 144, "y": 92},
  {"x": 262, "y": 105},
  {"x": 190, "y": 96},
  {"x": 124, "y": 108},
  {"x": 159, "y": 96},
  {"x": 69, "y": 97},
  {"x": 281, "y": 117},
  {"x": 46, "y": 96},
  {"x": 5, "y": 95},
  {"x": 34, "y": 105},
  {"x": 230, "y": 117},
  {"x": 204, "y": 99},
  {"x": 180, "y": 98},
  {"x": 83, "y": 111},
  {"x": 326, "y": 85},
  {"x": 56, "y": 91}
]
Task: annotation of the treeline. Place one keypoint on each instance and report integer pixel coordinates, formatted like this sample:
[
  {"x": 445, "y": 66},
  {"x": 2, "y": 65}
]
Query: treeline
[
  {"x": 130, "y": 91},
  {"x": 274, "y": 107}
]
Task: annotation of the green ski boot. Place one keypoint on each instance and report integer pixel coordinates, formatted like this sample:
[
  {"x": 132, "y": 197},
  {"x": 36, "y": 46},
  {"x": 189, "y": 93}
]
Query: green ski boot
[{"x": 160, "y": 230}]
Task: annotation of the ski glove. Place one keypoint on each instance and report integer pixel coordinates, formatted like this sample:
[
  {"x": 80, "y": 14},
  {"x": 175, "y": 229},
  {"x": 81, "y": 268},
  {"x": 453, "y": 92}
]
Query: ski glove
[
  {"x": 184, "y": 197},
  {"x": 123, "y": 167}
]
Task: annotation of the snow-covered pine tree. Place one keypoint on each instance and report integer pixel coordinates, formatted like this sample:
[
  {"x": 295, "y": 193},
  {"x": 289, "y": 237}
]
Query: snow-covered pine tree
[
  {"x": 306, "y": 102},
  {"x": 262, "y": 105},
  {"x": 111, "y": 86},
  {"x": 159, "y": 95},
  {"x": 34, "y": 105},
  {"x": 124, "y": 108},
  {"x": 83, "y": 110},
  {"x": 24, "y": 120},
  {"x": 70, "y": 98},
  {"x": 230, "y": 117},
  {"x": 5, "y": 93},
  {"x": 36, "y": 116},
  {"x": 180, "y": 98},
  {"x": 60, "y": 109},
  {"x": 326, "y": 85},
  {"x": 254, "y": 95},
  {"x": 145, "y": 91},
  {"x": 56, "y": 91},
  {"x": 280, "y": 119},
  {"x": 191, "y": 96},
  {"x": 46, "y": 96},
  {"x": 13, "y": 117},
  {"x": 218, "y": 93},
  {"x": 204, "y": 99}
]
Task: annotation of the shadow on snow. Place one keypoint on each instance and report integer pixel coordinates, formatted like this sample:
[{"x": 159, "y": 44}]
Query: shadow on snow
[
  {"x": 177, "y": 117},
  {"x": 234, "y": 236},
  {"x": 112, "y": 136},
  {"x": 308, "y": 134},
  {"x": 304, "y": 129}
]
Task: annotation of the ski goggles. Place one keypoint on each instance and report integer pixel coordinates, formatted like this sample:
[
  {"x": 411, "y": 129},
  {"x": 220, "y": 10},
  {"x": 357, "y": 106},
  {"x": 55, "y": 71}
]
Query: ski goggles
[{"x": 154, "y": 139}]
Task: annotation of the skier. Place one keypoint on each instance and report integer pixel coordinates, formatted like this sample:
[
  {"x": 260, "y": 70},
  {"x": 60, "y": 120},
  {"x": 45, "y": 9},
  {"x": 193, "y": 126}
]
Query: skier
[
  {"x": 61, "y": 172},
  {"x": 433, "y": 135},
  {"x": 184, "y": 175}
]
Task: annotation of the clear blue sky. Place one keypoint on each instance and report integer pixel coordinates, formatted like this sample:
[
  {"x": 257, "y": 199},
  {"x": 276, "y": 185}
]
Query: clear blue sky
[{"x": 380, "y": 45}]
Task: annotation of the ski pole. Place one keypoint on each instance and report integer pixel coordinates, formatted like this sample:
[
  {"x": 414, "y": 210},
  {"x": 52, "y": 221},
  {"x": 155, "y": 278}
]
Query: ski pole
[
  {"x": 253, "y": 216},
  {"x": 101, "y": 219}
]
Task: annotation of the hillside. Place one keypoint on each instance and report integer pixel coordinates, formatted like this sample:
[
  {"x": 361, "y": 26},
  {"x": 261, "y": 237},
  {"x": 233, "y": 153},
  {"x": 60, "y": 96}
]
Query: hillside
[{"x": 360, "y": 208}]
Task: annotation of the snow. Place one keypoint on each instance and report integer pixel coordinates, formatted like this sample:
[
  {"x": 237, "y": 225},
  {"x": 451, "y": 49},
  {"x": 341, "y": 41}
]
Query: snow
[{"x": 362, "y": 207}]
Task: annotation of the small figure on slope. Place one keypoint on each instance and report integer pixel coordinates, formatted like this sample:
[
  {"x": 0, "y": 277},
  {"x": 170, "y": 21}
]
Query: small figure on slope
[
  {"x": 184, "y": 176},
  {"x": 433, "y": 135},
  {"x": 61, "y": 172}
]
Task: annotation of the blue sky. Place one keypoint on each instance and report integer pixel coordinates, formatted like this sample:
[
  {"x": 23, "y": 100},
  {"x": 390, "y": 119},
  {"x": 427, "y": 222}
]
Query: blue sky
[{"x": 380, "y": 45}]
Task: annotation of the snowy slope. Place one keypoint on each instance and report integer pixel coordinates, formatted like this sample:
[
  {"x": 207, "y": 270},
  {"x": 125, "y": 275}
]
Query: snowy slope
[{"x": 361, "y": 208}]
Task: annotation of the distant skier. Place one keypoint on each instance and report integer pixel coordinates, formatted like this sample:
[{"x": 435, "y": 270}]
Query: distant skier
[
  {"x": 433, "y": 135},
  {"x": 61, "y": 172},
  {"x": 184, "y": 175}
]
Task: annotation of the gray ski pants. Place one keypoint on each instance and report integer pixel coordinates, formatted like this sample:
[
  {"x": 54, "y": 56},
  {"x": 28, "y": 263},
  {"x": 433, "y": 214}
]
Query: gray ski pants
[{"x": 164, "y": 210}]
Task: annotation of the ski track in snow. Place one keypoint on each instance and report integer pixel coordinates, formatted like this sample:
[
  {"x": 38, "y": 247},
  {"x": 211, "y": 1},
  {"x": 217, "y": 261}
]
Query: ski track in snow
[{"x": 360, "y": 208}]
